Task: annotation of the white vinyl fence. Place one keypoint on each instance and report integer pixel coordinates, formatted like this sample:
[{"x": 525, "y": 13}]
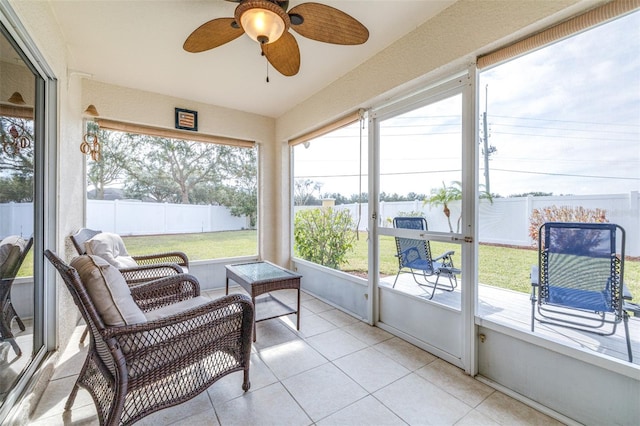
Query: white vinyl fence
[
  {"x": 16, "y": 219},
  {"x": 505, "y": 221},
  {"x": 138, "y": 218}
]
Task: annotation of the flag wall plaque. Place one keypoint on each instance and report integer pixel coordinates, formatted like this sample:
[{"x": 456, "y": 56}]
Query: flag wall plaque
[{"x": 186, "y": 119}]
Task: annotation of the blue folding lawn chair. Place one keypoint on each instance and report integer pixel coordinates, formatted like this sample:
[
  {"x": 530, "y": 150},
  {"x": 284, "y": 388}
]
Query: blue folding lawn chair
[
  {"x": 414, "y": 257},
  {"x": 579, "y": 279}
]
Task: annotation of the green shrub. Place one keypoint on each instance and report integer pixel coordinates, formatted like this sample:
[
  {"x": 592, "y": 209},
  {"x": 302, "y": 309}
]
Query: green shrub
[{"x": 324, "y": 236}]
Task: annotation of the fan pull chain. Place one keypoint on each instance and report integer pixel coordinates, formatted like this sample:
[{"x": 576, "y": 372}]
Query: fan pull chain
[
  {"x": 267, "y": 71},
  {"x": 267, "y": 61}
]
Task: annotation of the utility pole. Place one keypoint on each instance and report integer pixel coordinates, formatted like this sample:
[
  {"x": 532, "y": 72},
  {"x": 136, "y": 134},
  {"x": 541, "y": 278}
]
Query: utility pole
[{"x": 485, "y": 150}]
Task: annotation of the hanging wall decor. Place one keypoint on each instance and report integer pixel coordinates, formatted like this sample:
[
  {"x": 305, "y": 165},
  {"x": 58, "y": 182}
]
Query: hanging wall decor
[
  {"x": 15, "y": 140},
  {"x": 90, "y": 144},
  {"x": 186, "y": 119}
]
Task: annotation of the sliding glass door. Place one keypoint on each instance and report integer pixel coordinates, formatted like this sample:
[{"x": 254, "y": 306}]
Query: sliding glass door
[{"x": 27, "y": 128}]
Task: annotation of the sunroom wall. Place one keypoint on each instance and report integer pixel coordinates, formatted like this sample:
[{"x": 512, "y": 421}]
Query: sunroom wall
[{"x": 448, "y": 42}]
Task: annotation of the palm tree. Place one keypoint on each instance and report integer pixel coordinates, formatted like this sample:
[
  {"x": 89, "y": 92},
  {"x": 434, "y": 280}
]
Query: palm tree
[{"x": 447, "y": 194}]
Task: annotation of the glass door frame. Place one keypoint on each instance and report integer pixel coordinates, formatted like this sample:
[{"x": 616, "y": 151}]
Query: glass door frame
[
  {"x": 45, "y": 205},
  {"x": 464, "y": 84}
]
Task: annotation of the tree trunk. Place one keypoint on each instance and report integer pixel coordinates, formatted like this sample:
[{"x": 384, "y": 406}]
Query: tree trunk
[{"x": 447, "y": 213}]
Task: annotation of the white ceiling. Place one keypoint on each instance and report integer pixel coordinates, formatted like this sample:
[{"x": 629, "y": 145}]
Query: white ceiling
[{"x": 138, "y": 44}]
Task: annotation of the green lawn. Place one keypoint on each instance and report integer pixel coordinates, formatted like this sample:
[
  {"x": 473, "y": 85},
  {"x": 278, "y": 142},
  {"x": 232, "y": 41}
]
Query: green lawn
[
  {"x": 499, "y": 266},
  {"x": 503, "y": 267},
  {"x": 209, "y": 245},
  {"x": 199, "y": 246}
]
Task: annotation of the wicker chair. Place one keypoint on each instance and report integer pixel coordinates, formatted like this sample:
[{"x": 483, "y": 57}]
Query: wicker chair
[
  {"x": 135, "y": 369},
  {"x": 13, "y": 251},
  {"x": 147, "y": 267}
]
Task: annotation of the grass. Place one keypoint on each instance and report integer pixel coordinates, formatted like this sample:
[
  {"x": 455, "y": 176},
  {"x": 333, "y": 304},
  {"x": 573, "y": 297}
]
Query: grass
[
  {"x": 504, "y": 267},
  {"x": 199, "y": 246}
]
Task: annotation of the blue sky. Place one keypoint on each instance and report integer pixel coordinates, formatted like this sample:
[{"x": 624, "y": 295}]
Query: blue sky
[{"x": 564, "y": 119}]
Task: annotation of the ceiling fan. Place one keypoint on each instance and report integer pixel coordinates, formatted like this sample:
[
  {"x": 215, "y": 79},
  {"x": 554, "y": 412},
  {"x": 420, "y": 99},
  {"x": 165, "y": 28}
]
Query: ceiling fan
[{"x": 268, "y": 22}]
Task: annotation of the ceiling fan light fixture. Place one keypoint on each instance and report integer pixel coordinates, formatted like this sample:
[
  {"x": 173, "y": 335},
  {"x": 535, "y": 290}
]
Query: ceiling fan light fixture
[{"x": 262, "y": 20}]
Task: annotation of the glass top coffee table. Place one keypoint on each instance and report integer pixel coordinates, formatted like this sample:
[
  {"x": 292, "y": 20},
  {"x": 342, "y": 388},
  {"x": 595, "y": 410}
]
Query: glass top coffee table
[{"x": 263, "y": 277}]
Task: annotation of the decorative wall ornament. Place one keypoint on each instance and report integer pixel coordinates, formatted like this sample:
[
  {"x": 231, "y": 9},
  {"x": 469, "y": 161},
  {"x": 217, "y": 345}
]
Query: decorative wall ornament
[
  {"x": 90, "y": 144},
  {"x": 186, "y": 119},
  {"x": 17, "y": 137},
  {"x": 15, "y": 140}
]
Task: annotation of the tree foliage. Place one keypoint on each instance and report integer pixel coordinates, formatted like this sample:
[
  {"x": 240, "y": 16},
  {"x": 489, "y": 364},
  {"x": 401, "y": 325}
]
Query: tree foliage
[
  {"x": 362, "y": 198},
  {"x": 177, "y": 171},
  {"x": 240, "y": 190},
  {"x": 16, "y": 160},
  {"x": 17, "y": 189},
  {"x": 114, "y": 147},
  {"x": 303, "y": 192},
  {"x": 531, "y": 194},
  {"x": 448, "y": 194},
  {"x": 324, "y": 236},
  {"x": 170, "y": 170},
  {"x": 411, "y": 196}
]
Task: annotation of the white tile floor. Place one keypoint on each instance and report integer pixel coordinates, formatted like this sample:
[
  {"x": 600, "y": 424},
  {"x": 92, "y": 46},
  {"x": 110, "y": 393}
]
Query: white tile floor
[{"x": 335, "y": 371}]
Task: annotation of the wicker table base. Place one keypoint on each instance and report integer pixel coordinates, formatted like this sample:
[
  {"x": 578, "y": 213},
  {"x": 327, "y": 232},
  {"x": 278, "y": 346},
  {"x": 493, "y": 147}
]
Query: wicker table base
[{"x": 259, "y": 278}]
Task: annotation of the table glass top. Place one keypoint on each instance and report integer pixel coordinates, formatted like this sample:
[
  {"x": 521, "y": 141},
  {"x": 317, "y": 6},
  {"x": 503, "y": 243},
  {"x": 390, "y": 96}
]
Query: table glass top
[{"x": 261, "y": 271}]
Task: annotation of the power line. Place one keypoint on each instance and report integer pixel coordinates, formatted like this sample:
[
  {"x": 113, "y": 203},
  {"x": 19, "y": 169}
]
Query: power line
[
  {"x": 565, "y": 121},
  {"x": 562, "y": 128},
  {"x": 567, "y": 174},
  {"x": 458, "y": 170},
  {"x": 422, "y": 117},
  {"x": 564, "y": 137},
  {"x": 419, "y": 134},
  {"x": 381, "y": 174},
  {"x": 404, "y": 126},
  {"x": 602, "y": 161}
]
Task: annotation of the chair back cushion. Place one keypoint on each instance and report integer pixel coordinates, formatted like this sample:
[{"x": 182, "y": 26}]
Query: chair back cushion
[
  {"x": 108, "y": 291},
  {"x": 11, "y": 249},
  {"x": 111, "y": 248}
]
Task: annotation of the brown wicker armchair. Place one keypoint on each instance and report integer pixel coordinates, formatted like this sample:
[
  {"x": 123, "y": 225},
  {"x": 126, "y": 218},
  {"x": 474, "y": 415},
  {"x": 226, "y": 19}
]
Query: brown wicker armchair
[
  {"x": 181, "y": 345},
  {"x": 147, "y": 267},
  {"x": 13, "y": 251}
]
